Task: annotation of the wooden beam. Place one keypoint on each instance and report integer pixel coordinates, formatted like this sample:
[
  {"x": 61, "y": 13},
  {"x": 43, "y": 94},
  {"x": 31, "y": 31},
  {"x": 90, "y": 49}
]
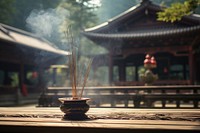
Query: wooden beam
[{"x": 153, "y": 50}]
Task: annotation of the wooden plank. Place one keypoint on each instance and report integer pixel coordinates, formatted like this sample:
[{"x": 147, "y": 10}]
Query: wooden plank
[
  {"x": 19, "y": 119},
  {"x": 119, "y": 124},
  {"x": 100, "y": 121}
]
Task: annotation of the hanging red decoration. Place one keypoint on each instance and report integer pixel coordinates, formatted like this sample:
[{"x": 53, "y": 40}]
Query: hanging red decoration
[{"x": 24, "y": 90}]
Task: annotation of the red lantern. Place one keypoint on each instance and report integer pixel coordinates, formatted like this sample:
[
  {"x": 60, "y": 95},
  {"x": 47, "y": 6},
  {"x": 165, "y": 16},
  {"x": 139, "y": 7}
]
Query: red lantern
[
  {"x": 24, "y": 90},
  {"x": 147, "y": 61},
  {"x": 153, "y": 62},
  {"x": 148, "y": 56},
  {"x": 150, "y": 62}
]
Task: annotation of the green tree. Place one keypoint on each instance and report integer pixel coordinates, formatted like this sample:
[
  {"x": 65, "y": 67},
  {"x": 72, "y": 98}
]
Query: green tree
[
  {"x": 177, "y": 10},
  {"x": 6, "y": 10},
  {"x": 80, "y": 16}
]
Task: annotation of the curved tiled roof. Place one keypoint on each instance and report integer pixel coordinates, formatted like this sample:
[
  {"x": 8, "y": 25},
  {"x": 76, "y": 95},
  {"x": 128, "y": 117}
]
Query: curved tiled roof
[
  {"x": 17, "y": 36},
  {"x": 144, "y": 34},
  {"x": 102, "y": 30}
]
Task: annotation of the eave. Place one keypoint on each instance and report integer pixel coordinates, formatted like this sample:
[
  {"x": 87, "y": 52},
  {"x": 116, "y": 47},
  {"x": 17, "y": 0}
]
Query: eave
[
  {"x": 144, "y": 34},
  {"x": 22, "y": 38}
]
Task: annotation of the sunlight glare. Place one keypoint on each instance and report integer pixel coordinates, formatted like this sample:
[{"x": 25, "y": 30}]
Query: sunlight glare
[{"x": 96, "y": 2}]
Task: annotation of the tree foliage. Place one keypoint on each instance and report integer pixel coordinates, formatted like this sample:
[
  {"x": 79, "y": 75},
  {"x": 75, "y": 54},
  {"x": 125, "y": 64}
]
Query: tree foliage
[
  {"x": 81, "y": 14},
  {"x": 6, "y": 10},
  {"x": 177, "y": 10}
]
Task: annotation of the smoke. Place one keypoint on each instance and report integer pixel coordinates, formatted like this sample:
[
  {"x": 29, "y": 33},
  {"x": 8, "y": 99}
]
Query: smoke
[{"x": 46, "y": 23}]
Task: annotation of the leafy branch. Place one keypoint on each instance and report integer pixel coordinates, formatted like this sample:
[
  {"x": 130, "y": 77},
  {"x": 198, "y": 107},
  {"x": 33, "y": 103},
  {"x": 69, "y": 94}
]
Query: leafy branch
[{"x": 177, "y": 10}]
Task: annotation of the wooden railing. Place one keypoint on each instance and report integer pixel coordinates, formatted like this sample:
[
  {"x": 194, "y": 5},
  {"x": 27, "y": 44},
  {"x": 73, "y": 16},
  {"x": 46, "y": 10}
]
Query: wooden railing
[
  {"x": 130, "y": 96},
  {"x": 12, "y": 96},
  {"x": 158, "y": 82}
]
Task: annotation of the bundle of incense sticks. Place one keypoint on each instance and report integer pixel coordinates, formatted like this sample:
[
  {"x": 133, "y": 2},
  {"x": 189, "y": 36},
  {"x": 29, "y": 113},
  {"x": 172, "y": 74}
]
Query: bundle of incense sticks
[{"x": 75, "y": 73}]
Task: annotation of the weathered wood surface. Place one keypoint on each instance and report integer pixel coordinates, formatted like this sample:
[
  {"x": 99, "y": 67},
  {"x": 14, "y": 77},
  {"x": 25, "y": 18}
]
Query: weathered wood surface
[{"x": 31, "y": 119}]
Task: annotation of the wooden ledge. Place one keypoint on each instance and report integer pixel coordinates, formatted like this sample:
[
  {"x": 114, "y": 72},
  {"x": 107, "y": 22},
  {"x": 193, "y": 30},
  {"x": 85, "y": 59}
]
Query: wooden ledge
[{"x": 31, "y": 119}]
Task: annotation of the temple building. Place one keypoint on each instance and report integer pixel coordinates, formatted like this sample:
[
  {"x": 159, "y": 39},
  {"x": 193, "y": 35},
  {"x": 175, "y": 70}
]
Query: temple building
[
  {"x": 24, "y": 60},
  {"x": 136, "y": 32}
]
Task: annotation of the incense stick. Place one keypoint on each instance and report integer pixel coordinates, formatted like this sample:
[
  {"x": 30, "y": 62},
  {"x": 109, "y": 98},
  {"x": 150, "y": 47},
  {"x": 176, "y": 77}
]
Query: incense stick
[
  {"x": 85, "y": 78},
  {"x": 74, "y": 71}
]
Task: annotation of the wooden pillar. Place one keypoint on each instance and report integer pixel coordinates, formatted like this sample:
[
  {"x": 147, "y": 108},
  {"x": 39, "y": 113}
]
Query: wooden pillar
[
  {"x": 21, "y": 82},
  {"x": 54, "y": 76},
  {"x": 122, "y": 72},
  {"x": 136, "y": 73},
  {"x": 42, "y": 84},
  {"x": 184, "y": 71},
  {"x": 195, "y": 69},
  {"x": 110, "y": 68},
  {"x": 6, "y": 78},
  {"x": 191, "y": 66},
  {"x": 21, "y": 75}
]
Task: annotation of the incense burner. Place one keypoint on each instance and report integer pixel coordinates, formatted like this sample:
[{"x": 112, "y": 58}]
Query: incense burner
[{"x": 74, "y": 109}]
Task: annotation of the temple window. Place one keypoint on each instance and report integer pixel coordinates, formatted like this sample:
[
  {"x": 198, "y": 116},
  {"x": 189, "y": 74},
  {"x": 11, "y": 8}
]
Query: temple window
[{"x": 179, "y": 71}]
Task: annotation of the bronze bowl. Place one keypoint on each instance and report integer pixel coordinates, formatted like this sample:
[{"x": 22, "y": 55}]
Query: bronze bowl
[{"x": 74, "y": 109}]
